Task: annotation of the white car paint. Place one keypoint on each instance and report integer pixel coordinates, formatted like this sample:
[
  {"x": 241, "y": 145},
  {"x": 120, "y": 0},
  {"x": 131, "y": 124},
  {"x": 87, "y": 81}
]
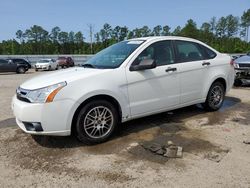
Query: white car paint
[
  {"x": 139, "y": 93},
  {"x": 46, "y": 64}
]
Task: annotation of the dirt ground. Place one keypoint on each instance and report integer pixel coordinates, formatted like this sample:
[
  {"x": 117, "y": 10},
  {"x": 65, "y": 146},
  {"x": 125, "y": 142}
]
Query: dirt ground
[{"x": 214, "y": 153}]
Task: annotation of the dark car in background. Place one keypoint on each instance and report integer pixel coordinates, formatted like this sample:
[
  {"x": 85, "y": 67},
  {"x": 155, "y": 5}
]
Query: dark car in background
[
  {"x": 65, "y": 62},
  {"x": 242, "y": 69},
  {"x": 14, "y": 65}
]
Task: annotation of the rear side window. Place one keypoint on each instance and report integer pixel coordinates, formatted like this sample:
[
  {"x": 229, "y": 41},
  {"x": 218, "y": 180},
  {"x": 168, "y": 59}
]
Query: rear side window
[
  {"x": 188, "y": 51},
  {"x": 21, "y": 61},
  {"x": 209, "y": 53},
  {"x": 161, "y": 52}
]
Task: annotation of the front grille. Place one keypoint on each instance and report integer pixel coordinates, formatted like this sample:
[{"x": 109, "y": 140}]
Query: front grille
[
  {"x": 244, "y": 64},
  {"x": 21, "y": 95}
]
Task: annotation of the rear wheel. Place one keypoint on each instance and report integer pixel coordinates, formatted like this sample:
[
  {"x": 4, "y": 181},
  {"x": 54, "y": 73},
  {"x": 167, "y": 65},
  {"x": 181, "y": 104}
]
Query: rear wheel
[
  {"x": 238, "y": 83},
  {"x": 96, "y": 122},
  {"x": 215, "y": 97},
  {"x": 21, "y": 70}
]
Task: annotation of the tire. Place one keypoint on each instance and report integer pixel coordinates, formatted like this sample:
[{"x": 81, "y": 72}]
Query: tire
[
  {"x": 49, "y": 68},
  {"x": 238, "y": 83},
  {"x": 91, "y": 125},
  {"x": 21, "y": 70},
  {"x": 215, "y": 97},
  {"x": 36, "y": 70},
  {"x": 57, "y": 67}
]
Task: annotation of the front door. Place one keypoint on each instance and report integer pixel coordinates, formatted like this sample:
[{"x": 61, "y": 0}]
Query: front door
[
  {"x": 155, "y": 89},
  {"x": 3, "y": 65}
]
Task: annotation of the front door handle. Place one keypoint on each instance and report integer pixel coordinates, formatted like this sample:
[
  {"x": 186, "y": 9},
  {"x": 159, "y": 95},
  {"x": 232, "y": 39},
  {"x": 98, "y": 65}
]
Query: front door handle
[
  {"x": 171, "y": 69},
  {"x": 205, "y": 63}
]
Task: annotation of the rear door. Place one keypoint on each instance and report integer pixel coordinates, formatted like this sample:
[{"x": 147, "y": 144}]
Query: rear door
[{"x": 193, "y": 70}]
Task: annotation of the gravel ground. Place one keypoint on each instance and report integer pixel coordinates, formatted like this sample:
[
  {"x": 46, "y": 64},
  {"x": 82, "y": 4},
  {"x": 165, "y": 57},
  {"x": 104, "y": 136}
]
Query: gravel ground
[{"x": 214, "y": 153}]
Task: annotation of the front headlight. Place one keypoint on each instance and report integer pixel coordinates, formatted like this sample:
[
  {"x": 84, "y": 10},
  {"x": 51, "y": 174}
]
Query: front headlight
[
  {"x": 236, "y": 65},
  {"x": 46, "y": 94}
]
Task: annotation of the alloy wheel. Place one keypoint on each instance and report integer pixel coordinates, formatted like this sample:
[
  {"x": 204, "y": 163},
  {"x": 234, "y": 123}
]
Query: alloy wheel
[{"x": 98, "y": 122}]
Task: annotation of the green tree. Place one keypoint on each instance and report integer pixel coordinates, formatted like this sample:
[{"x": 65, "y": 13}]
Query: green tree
[
  {"x": 166, "y": 30},
  {"x": 245, "y": 22},
  {"x": 177, "y": 31},
  {"x": 54, "y": 34},
  {"x": 232, "y": 25},
  {"x": 157, "y": 30},
  {"x": 221, "y": 27},
  {"x": 213, "y": 24},
  {"x": 190, "y": 30},
  {"x": 20, "y": 36},
  {"x": 123, "y": 33},
  {"x": 145, "y": 31}
]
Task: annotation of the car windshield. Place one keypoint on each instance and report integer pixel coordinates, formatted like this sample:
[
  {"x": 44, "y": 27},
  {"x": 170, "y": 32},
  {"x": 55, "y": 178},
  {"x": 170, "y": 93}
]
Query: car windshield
[
  {"x": 113, "y": 56},
  {"x": 43, "y": 61}
]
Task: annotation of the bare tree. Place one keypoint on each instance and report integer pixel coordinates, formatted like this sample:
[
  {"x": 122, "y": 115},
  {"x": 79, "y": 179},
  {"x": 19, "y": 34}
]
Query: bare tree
[{"x": 91, "y": 31}]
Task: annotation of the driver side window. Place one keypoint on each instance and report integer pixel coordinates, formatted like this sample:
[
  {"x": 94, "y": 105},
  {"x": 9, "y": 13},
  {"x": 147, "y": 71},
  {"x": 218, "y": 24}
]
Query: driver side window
[
  {"x": 161, "y": 52},
  {"x": 2, "y": 61}
]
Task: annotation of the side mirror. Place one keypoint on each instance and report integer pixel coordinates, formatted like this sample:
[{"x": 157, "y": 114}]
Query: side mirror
[{"x": 144, "y": 64}]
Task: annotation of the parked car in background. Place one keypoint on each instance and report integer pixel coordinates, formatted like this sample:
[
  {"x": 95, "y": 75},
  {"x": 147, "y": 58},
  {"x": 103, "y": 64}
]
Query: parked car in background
[
  {"x": 65, "y": 62},
  {"x": 242, "y": 69},
  {"x": 46, "y": 64},
  {"x": 20, "y": 61},
  {"x": 128, "y": 80},
  {"x": 14, "y": 65}
]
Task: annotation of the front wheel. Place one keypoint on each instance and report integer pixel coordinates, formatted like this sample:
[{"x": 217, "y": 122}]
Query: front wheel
[
  {"x": 96, "y": 122},
  {"x": 215, "y": 97},
  {"x": 238, "y": 83}
]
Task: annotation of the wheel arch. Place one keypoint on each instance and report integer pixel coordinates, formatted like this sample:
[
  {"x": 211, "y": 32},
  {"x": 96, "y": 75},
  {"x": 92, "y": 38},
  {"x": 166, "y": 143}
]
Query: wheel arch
[
  {"x": 217, "y": 79},
  {"x": 106, "y": 97},
  {"x": 20, "y": 66}
]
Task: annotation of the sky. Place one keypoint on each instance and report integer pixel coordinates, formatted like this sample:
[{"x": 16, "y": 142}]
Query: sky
[{"x": 75, "y": 15}]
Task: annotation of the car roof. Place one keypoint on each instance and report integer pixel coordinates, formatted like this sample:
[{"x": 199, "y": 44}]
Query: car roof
[
  {"x": 164, "y": 38},
  {"x": 16, "y": 59},
  {"x": 159, "y": 38}
]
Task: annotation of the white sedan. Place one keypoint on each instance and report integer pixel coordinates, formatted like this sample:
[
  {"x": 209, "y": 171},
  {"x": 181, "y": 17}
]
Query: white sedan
[
  {"x": 46, "y": 64},
  {"x": 131, "y": 79}
]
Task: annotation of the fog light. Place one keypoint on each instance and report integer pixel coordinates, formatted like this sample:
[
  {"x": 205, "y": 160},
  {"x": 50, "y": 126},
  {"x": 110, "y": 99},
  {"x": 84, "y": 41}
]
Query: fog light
[{"x": 33, "y": 126}]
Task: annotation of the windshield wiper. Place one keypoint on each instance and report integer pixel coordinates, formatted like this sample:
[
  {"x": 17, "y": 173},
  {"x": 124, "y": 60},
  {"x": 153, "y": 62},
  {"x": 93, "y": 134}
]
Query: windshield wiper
[{"x": 87, "y": 65}]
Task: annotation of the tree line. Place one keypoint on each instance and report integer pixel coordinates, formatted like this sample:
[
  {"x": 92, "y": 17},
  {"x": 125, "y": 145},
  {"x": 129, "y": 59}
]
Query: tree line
[{"x": 228, "y": 34}]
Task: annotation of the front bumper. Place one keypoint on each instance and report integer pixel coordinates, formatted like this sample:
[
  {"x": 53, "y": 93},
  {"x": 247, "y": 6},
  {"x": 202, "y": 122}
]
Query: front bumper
[
  {"x": 42, "y": 67},
  {"x": 242, "y": 73},
  {"x": 53, "y": 117}
]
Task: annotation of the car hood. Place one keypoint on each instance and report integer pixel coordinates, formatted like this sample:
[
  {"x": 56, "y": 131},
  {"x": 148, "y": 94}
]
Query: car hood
[
  {"x": 68, "y": 75},
  {"x": 42, "y": 64},
  {"x": 243, "y": 59}
]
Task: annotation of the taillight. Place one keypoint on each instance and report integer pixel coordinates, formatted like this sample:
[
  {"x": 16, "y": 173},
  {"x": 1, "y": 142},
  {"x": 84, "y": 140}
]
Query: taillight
[{"x": 232, "y": 62}]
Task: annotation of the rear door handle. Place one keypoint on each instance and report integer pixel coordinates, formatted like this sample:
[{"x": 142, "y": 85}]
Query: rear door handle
[
  {"x": 171, "y": 69},
  {"x": 205, "y": 63}
]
